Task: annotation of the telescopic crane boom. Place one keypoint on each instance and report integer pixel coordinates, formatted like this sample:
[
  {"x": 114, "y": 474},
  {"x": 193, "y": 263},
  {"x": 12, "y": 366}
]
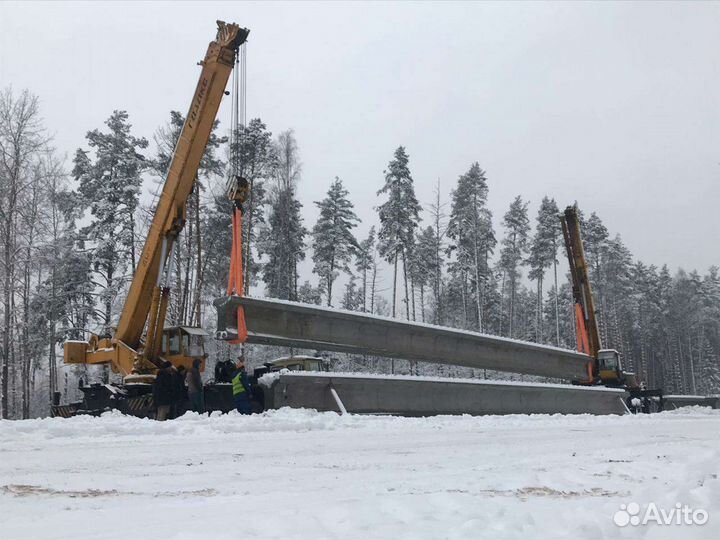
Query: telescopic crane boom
[
  {"x": 587, "y": 330},
  {"x": 147, "y": 300},
  {"x": 606, "y": 367}
]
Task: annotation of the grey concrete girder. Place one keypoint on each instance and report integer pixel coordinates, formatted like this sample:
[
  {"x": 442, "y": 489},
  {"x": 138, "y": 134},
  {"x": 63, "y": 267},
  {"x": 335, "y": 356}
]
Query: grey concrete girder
[
  {"x": 425, "y": 396},
  {"x": 274, "y": 322}
]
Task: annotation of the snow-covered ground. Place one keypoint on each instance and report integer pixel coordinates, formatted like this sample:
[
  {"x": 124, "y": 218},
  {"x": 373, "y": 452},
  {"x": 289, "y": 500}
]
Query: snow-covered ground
[{"x": 298, "y": 474}]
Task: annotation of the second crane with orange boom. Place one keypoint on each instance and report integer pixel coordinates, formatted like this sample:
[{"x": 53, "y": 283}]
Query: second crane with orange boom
[{"x": 606, "y": 365}]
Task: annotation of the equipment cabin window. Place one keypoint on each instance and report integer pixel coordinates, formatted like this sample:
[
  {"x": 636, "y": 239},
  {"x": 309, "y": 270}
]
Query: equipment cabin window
[
  {"x": 195, "y": 346},
  {"x": 608, "y": 360},
  {"x": 174, "y": 343}
]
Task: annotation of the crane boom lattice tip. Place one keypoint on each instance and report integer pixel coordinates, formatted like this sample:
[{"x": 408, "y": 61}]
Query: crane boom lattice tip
[{"x": 231, "y": 34}]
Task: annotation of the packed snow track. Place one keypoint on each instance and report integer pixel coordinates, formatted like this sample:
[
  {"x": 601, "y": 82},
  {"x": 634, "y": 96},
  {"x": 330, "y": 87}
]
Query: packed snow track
[{"x": 299, "y": 474}]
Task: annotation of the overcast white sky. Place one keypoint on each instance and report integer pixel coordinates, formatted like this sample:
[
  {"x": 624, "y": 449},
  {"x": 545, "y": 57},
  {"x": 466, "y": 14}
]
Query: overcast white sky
[{"x": 615, "y": 105}]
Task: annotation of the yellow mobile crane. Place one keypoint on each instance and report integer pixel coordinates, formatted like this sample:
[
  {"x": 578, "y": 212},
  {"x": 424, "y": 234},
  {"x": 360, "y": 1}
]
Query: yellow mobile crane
[
  {"x": 606, "y": 366},
  {"x": 141, "y": 343}
]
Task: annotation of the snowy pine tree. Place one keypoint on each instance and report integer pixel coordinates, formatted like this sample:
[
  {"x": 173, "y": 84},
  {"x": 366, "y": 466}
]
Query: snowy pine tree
[
  {"x": 308, "y": 294},
  {"x": 517, "y": 227},
  {"x": 352, "y": 296},
  {"x": 399, "y": 217},
  {"x": 473, "y": 239},
  {"x": 110, "y": 179},
  {"x": 439, "y": 228},
  {"x": 283, "y": 238},
  {"x": 333, "y": 241},
  {"x": 365, "y": 261},
  {"x": 543, "y": 254}
]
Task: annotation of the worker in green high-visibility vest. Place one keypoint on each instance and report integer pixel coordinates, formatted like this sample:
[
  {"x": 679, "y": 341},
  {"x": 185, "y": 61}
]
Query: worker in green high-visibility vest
[{"x": 241, "y": 387}]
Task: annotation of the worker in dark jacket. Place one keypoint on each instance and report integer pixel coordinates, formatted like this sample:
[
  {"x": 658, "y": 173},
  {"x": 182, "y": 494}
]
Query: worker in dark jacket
[
  {"x": 241, "y": 388},
  {"x": 196, "y": 392},
  {"x": 180, "y": 392},
  {"x": 224, "y": 371},
  {"x": 163, "y": 393}
]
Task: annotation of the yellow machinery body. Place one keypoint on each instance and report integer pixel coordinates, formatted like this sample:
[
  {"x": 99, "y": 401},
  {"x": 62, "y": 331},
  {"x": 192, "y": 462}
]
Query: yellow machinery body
[{"x": 141, "y": 341}]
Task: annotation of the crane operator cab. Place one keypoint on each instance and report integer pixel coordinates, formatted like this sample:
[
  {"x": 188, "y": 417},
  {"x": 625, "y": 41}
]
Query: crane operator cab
[
  {"x": 609, "y": 366},
  {"x": 183, "y": 344}
]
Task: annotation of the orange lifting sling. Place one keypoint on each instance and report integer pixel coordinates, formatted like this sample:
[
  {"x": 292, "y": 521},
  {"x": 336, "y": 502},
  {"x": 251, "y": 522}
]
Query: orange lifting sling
[{"x": 236, "y": 285}]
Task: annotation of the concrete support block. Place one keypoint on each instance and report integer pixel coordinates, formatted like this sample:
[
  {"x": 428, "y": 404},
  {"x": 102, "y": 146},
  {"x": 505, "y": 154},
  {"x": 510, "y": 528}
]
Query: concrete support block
[{"x": 425, "y": 396}]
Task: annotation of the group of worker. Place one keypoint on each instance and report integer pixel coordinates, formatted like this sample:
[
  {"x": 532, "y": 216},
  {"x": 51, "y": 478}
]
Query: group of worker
[{"x": 176, "y": 387}]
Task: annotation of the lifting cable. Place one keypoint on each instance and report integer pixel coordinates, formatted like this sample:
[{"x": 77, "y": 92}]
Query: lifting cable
[
  {"x": 236, "y": 285},
  {"x": 238, "y": 110}
]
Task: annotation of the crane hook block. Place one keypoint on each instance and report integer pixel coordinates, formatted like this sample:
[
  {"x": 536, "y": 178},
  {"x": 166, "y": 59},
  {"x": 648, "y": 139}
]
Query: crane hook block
[{"x": 238, "y": 191}]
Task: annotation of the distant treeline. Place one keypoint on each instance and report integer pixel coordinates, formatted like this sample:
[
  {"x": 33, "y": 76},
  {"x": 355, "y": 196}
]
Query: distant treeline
[{"x": 71, "y": 235}]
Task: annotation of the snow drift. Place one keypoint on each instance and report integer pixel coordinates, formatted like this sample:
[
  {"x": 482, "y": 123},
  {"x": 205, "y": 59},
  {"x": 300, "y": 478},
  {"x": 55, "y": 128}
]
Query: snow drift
[{"x": 301, "y": 474}]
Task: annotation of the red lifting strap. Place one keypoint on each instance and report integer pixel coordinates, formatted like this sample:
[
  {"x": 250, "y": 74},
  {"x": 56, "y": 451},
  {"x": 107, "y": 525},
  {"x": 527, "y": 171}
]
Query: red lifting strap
[
  {"x": 583, "y": 344},
  {"x": 236, "y": 284}
]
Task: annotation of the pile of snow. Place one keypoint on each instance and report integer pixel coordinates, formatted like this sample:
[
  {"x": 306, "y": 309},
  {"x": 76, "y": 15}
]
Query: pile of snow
[{"x": 298, "y": 474}]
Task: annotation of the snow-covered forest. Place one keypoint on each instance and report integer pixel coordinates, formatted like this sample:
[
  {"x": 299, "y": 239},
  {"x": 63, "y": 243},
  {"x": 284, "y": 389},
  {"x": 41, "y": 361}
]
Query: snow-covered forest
[{"x": 71, "y": 232}]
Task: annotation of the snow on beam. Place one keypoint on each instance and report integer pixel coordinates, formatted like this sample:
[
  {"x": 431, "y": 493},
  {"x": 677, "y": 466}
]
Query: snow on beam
[{"x": 283, "y": 323}]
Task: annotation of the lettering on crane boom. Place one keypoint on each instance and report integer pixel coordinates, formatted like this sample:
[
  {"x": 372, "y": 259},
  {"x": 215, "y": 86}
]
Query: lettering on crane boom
[{"x": 198, "y": 101}]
